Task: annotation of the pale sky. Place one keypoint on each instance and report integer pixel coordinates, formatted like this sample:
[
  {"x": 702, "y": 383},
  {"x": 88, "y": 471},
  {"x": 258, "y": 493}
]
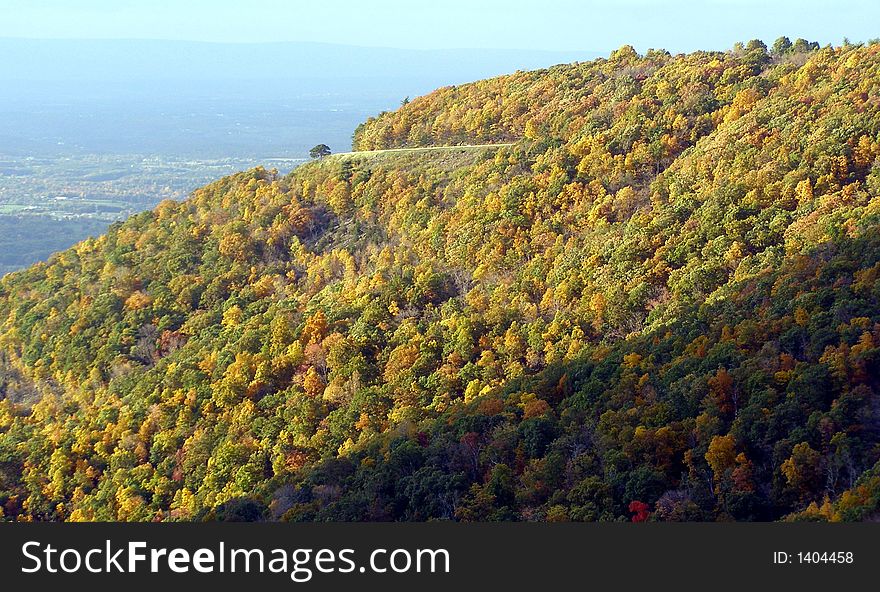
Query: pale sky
[{"x": 676, "y": 25}]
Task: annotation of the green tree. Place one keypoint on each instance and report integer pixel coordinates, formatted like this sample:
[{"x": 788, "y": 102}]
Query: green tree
[
  {"x": 781, "y": 46},
  {"x": 320, "y": 151}
]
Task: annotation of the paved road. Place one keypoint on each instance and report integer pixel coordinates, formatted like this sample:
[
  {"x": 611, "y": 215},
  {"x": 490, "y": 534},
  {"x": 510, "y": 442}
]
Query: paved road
[{"x": 421, "y": 149}]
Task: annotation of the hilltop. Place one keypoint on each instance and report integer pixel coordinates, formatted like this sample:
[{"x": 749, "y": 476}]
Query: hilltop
[{"x": 658, "y": 299}]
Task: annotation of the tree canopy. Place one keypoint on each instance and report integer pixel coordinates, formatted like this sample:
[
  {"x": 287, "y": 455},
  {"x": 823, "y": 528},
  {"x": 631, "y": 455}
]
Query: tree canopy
[
  {"x": 320, "y": 151},
  {"x": 662, "y": 302}
]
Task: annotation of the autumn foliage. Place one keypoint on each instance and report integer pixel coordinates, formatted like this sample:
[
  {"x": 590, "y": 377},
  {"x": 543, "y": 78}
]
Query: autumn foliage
[{"x": 662, "y": 302}]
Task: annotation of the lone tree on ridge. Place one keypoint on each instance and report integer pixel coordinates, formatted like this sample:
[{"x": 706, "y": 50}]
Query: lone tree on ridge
[{"x": 320, "y": 151}]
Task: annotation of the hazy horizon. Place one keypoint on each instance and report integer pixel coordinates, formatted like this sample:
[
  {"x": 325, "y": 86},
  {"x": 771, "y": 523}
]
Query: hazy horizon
[
  {"x": 213, "y": 100},
  {"x": 558, "y": 25},
  {"x": 297, "y": 42}
]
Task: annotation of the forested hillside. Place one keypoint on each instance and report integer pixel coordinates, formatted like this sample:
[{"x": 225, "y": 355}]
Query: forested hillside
[{"x": 662, "y": 302}]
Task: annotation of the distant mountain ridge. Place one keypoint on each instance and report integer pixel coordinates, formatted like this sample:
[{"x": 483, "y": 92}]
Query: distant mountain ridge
[{"x": 56, "y": 59}]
